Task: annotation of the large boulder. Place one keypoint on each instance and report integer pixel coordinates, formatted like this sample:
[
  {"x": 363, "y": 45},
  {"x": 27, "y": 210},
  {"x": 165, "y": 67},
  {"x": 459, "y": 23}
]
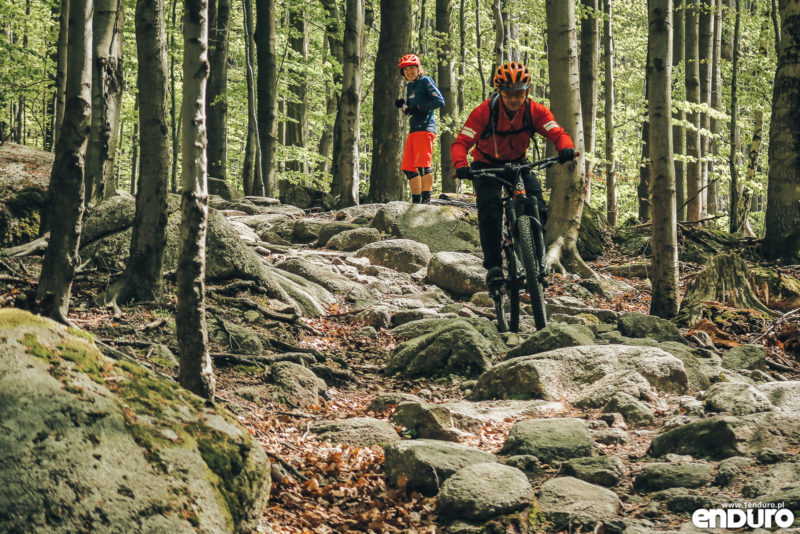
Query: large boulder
[
  {"x": 567, "y": 501},
  {"x": 630, "y": 382},
  {"x": 549, "y": 440},
  {"x": 328, "y": 230},
  {"x": 482, "y": 491},
  {"x": 424, "y": 465},
  {"x": 663, "y": 475},
  {"x": 458, "y": 273},
  {"x": 93, "y": 444},
  {"x": 603, "y": 470},
  {"x": 736, "y": 399},
  {"x": 594, "y": 233},
  {"x": 745, "y": 357},
  {"x": 357, "y": 431},
  {"x": 403, "y": 255},
  {"x": 426, "y": 420},
  {"x": 426, "y": 326},
  {"x": 304, "y": 197},
  {"x": 554, "y": 336},
  {"x": 784, "y": 395},
  {"x": 639, "y": 325},
  {"x": 217, "y": 186},
  {"x": 441, "y": 228},
  {"x": 556, "y": 373},
  {"x": 324, "y": 276},
  {"x": 353, "y": 239},
  {"x": 295, "y": 384}
]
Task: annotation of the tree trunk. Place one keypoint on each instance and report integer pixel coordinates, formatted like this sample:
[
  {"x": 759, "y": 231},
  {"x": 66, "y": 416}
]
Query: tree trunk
[
  {"x": 61, "y": 69},
  {"x": 693, "y": 199},
  {"x": 735, "y": 223},
  {"x": 142, "y": 278},
  {"x": 251, "y": 169},
  {"x": 107, "y": 83},
  {"x": 783, "y": 193},
  {"x": 679, "y": 115},
  {"x": 462, "y": 15},
  {"x": 217, "y": 101},
  {"x": 174, "y": 124},
  {"x": 589, "y": 60},
  {"x": 388, "y": 129},
  {"x": 447, "y": 85},
  {"x": 706, "y": 51},
  {"x": 297, "y": 107},
  {"x": 716, "y": 104},
  {"x": 608, "y": 84},
  {"x": 347, "y": 135},
  {"x": 332, "y": 90},
  {"x": 666, "y": 295},
  {"x": 478, "y": 49},
  {"x": 135, "y": 146},
  {"x": 61, "y": 259},
  {"x": 499, "y": 36},
  {"x": 566, "y": 200},
  {"x": 195, "y": 373},
  {"x": 644, "y": 189},
  {"x": 776, "y": 24},
  {"x": 267, "y": 90}
]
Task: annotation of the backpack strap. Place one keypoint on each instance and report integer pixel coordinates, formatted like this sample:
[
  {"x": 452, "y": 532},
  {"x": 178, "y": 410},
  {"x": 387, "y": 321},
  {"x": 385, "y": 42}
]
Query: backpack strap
[{"x": 494, "y": 109}]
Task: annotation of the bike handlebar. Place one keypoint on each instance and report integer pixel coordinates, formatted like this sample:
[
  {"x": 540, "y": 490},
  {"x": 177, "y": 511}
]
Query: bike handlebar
[{"x": 515, "y": 167}]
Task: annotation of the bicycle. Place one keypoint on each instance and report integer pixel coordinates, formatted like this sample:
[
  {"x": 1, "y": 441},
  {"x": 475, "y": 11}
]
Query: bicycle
[{"x": 523, "y": 244}]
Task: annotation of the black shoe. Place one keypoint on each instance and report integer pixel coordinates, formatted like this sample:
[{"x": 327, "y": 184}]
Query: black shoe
[
  {"x": 495, "y": 279},
  {"x": 426, "y": 197},
  {"x": 415, "y": 199}
]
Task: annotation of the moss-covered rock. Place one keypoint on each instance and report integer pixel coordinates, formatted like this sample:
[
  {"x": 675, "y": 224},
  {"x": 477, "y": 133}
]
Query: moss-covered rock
[{"x": 440, "y": 228}]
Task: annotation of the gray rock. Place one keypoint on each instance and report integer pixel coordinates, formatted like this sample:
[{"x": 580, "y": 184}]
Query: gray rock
[
  {"x": 358, "y": 431},
  {"x": 458, "y": 273},
  {"x": 217, "y": 186},
  {"x": 481, "y": 299},
  {"x": 91, "y": 443},
  {"x": 236, "y": 337},
  {"x": 456, "y": 348},
  {"x": 163, "y": 357},
  {"x": 328, "y": 230},
  {"x": 110, "y": 216},
  {"x": 354, "y": 239},
  {"x": 361, "y": 211},
  {"x": 639, "y": 325},
  {"x": 601, "y": 314},
  {"x": 732, "y": 470},
  {"x": 441, "y": 228},
  {"x": 375, "y": 316},
  {"x": 607, "y": 287},
  {"x": 382, "y": 401},
  {"x": 402, "y": 317},
  {"x": 295, "y": 384},
  {"x": 553, "y": 374},
  {"x": 599, "y": 394},
  {"x": 324, "y": 276},
  {"x": 660, "y": 476},
  {"x": 554, "y": 336},
  {"x": 305, "y": 197},
  {"x": 472, "y": 416},
  {"x": 426, "y": 420},
  {"x": 567, "y": 501},
  {"x": 699, "y": 370},
  {"x": 603, "y": 470},
  {"x": 403, "y": 255},
  {"x": 789, "y": 497},
  {"x": 775, "y": 479},
  {"x": 549, "y": 439},
  {"x": 784, "y": 395},
  {"x": 307, "y": 230},
  {"x": 630, "y": 270},
  {"x": 633, "y": 410},
  {"x": 426, "y": 326},
  {"x": 483, "y": 491},
  {"x": 735, "y": 399},
  {"x": 425, "y": 464},
  {"x": 527, "y": 463},
  {"x": 611, "y": 436},
  {"x": 745, "y": 357}
]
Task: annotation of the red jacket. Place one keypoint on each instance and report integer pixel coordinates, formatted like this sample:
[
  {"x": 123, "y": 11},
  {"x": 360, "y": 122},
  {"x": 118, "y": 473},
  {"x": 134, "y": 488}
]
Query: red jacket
[{"x": 512, "y": 147}]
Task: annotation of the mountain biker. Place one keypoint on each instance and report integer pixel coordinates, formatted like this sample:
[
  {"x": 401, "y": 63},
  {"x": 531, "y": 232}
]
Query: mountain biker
[
  {"x": 500, "y": 129},
  {"x": 422, "y": 97}
]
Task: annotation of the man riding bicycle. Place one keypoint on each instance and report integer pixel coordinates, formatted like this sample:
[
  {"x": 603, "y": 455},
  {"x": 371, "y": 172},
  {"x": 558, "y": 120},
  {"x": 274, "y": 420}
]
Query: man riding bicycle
[{"x": 501, "y": 129}]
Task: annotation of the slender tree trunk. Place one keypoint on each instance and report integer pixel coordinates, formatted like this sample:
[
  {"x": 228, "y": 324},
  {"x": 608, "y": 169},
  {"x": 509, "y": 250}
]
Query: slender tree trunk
[
  {"x": 347, "y": 135},
  {"x": 447, "y": 85},
  {"x": 705, "y": 47},
  {"x": 666, "y": 296},
  {"x": 589, "y": 65},
  {"x": 499, "y": 35},
  {"x": 462, "y": 15},
  {"x": 679, "y": 115},
  {"x": 107, "y": 83},
  {"x": 135, "y": 146},
  {"x": 566, "y": 200},
  {"x": 332, "y": 90},
  {"x": 478, "y": 49},
  {"x": 644, "y": 189},
  {"x": 217, "y": 100},
  {"x": 61, "y": 259},
  {"x": 776, "y": 24},
  {"x": 693, "y": 199},
  {"x": 611, "y": 171},
  {"x": 251, "y": 170},
  {"x": 195, "y": 373},
  {"x": 61, "y": 69},
  {"x": 297, "y": 107},
  {"x": 267, "y": 90},
  {"x": 173, "y": 112},
  {"x": 735, "y": 223},
  {"x": 716, "y": 104},
  {"x": 142, "y": 279},
  {"x": 388, "y": 128}
]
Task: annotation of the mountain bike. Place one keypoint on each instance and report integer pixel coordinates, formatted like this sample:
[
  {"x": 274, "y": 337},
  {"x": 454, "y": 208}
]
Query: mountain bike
[{"x": 523, "y": 245}]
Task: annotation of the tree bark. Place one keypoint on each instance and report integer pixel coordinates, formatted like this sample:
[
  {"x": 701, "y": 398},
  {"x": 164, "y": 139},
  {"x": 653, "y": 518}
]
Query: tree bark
[
  {"x": 608, "y": 85},
  {"x": 347, "y": 135},
  {"x": 447, "y": 86},
  {"x": 332, "y": 89},
  {"x": 195, "y": 372},
  {"x": 107, "y": 85},
  {"x": 644, "y": 189},
  {"x": 566, "y": 200},
  {"x": 478, "y": 49},
  {"x": 666, "y": 296},
  {"x": 251, "y": 168},
  {"x": 142, "y": 279},
  {"x": 679, "y": 115},
  {"x": 693, "y": 184},
  {"x": 174, "y": 124},
  {"x": 712, "y": 196},
  {"x": 388, "y": 129},
  {"x": 735, "y": 223},
  {"x": 267, "y": 91},
  {"x": 297, "y": 107},
  {"x": 216, "y": 100},
  {"x": 61, "y": 259},
  {"x": 462, "y": 15},
  {"x": 783, "y": 193},
  {"x": 499, "y": 36},
  {"x": 589, "y": 66},
  {"x": 61, "y": 69},
  {"x": 706, "y": 50}
]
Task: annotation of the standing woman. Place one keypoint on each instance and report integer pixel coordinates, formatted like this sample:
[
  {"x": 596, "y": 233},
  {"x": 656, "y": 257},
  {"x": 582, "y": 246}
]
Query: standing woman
[{"x": 422, "y": 97}]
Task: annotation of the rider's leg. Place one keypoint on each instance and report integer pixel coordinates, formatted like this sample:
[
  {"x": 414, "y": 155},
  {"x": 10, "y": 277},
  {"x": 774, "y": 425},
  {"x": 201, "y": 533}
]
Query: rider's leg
[
  {"x": 426, "y": 174},
  {"x": 490, "y": 225},
  {"x": 415, "y": 184},
  {"x": 410, "y": 169}
]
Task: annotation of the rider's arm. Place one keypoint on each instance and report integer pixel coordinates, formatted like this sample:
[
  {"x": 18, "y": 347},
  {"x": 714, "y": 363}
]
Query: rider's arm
[
  {"x": 468, "y": 136},
  {"x": 431, "y": 96},
  {"x": 546, "y": 126}
]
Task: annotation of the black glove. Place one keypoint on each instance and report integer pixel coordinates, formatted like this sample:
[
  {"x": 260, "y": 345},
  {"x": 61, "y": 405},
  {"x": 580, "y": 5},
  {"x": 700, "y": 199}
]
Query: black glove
[
  {"x": 566, "y": 154},
  {"x": 462, "y": 173},
  {"x": 410, "y": 110},
  {"x": 399, "y": 102}
]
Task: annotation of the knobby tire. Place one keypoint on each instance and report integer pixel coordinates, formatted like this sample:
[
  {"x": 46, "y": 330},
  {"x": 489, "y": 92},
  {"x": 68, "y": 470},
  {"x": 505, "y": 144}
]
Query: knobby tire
[
  {"x": 513, "y": 289},
  {"x": 530, "y": 263}
]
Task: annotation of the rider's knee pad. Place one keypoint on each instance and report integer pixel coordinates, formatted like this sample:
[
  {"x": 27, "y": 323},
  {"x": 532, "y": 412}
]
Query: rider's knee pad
[
  {"x": 424, "y": 170},
  {"x": 410, "y": 175}
]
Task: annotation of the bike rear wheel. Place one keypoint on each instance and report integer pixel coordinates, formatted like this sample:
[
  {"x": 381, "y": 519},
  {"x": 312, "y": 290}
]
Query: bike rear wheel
[{"x": 531, "y": 265}]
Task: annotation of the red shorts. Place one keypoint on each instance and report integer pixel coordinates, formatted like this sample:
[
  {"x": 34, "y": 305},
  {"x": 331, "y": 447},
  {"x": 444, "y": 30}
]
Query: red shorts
[{"x": 418, "y": 151}]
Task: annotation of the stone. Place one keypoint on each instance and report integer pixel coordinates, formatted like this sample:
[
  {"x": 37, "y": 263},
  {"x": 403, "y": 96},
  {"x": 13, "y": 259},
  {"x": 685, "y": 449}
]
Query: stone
[
  {"x": 732, "y": 470},
  {"x": 735, "y": 399},
  {"x": 784, "y": 395},
  {"x": 608, "y": 288},
  {"x": 553, "y": 336},
  {"x": 426, "y": 326},
  {"x": 294, "y": 384},
  {"x": 745, "y": 357},
  {"x": 600, "y": 393},
  {"x": 236, "y": 337},
  {"x": 357, "y": 431},
  {"x": 424, "y": 465},
  {"x": 403, "y": 255},
  {"x": 660, "y": 476},
  {"x": 602, "y": 470},
  {"x": 325, "y": 277},
  {"x": 773, "y": 480},
  {"x": 472, "y": 416},
  {"x": 634, "y": 324},
  {"x": 442, "y": 229},
  {"x": 569, "y": 502},
  {"x": 425, "y": 420},
  {"x": 383, "y": 401},
  {"x": 549, "y": 439},
  {"x": 483, "y": 491},
  {"x": 353, "y": 239},
  {"x": 633, "y": 410},
  {"x": 305, "y": 197},
  {"x": 458, "y": 273},
  {"x": 611, "y": 436},
  {"x": 374, "y": 316},
  {"x": 328, "y": 230},
  {"x": 307, "y": 230}
]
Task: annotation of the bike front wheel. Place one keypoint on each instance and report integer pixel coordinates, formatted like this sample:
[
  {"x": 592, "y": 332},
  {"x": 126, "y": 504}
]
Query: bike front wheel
[{"x": 531, "y": 265}]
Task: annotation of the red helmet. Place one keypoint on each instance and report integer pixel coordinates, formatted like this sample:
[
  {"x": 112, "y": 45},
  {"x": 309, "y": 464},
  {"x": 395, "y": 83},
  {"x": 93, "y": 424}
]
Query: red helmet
[
  {"x": 512, "y": 76},
  {"x": 409, "y": 60}
]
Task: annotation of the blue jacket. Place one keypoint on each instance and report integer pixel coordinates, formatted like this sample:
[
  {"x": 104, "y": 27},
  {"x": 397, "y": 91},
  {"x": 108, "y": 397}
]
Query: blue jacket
[{"x": 423, "y": 93}]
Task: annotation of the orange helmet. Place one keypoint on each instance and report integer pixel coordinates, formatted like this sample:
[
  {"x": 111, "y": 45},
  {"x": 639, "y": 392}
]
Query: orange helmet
[
  {"x": 512, "y": 76},
  {"x": 409, "y": 60}
]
